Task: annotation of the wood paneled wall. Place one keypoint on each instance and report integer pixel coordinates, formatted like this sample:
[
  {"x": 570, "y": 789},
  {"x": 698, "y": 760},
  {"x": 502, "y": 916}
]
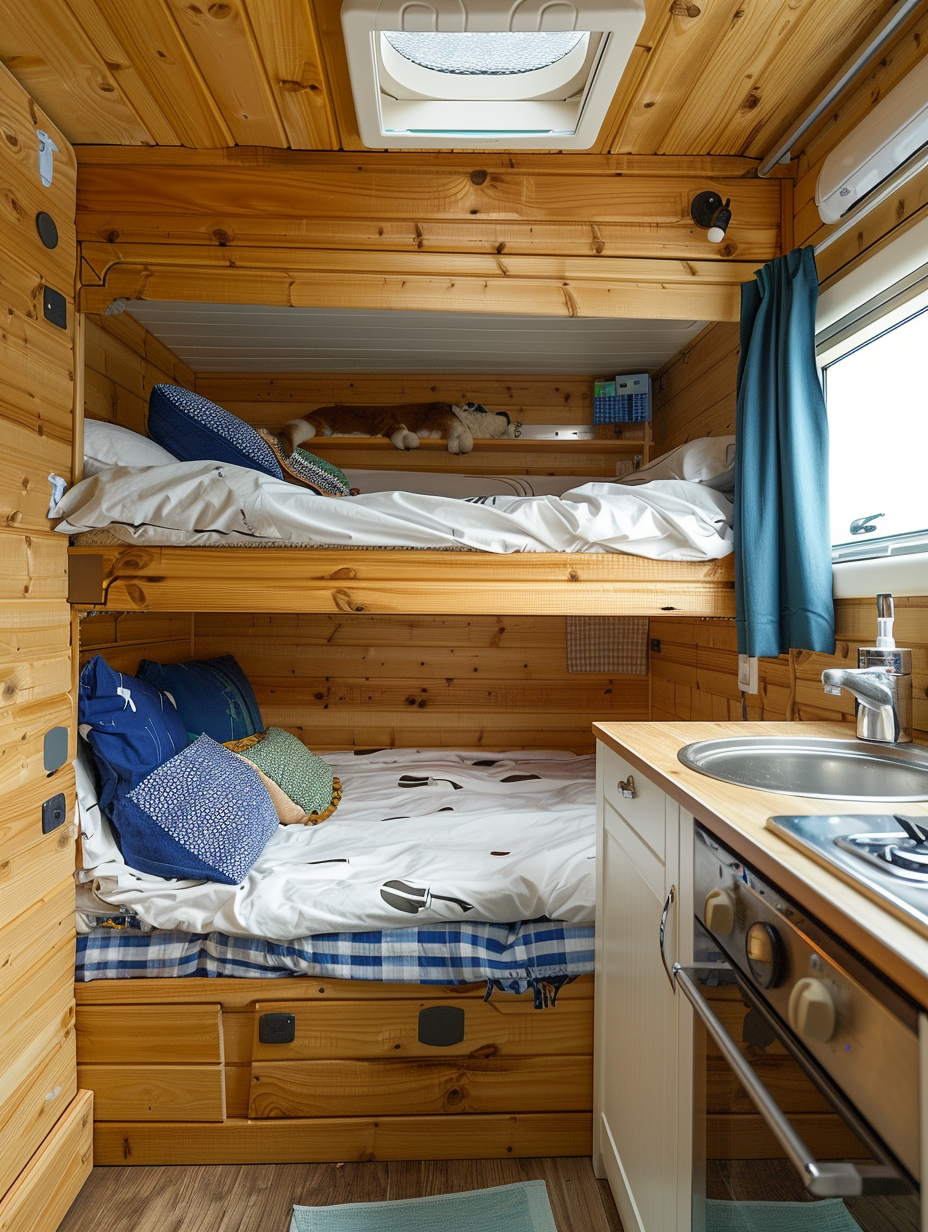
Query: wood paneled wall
[
  {"x": 125, "y": 638},
  {"x": 695, "y": 673},
  {"x": 38, "y": 378},
  {"x": 694, "y": 394},
  {"x": 482, "y": 681},
  {"x": 123, "y": 361}
]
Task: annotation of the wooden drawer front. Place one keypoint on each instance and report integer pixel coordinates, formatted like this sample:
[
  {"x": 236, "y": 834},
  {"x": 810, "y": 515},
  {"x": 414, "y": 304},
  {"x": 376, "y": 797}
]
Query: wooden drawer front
[
  {"x": 28, "y": 1111},
  {"x": 644, "y": 811},
  {"x": 34, "y": 1013},
  {"x": 155, "y": 1092},
  {"x": 25, "y": 942},
  {"x": 350, "y": 1030},
  {"x": 396, "y": 1088},
  {"x": 42, "y": 1193},
  {"x": 149, "y": 1034}
]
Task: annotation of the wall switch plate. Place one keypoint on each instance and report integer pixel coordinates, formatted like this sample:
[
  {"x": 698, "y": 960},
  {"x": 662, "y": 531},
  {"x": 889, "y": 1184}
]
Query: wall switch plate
[
  {"x": 747, "y": 674},
  {"x": 54, "y": 813}
]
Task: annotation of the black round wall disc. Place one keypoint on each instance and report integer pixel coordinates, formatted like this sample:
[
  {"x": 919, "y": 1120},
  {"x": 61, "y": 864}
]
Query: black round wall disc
[{"x": 48, "y": 232}]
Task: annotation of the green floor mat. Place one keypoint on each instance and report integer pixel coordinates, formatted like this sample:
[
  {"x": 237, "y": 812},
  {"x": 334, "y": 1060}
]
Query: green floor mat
[{"x": 509, "y": 1208}]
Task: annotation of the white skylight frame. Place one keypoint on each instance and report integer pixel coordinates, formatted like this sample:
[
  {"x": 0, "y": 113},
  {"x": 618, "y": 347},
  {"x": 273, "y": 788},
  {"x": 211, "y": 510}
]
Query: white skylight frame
[{"x": 560, "y": 106}]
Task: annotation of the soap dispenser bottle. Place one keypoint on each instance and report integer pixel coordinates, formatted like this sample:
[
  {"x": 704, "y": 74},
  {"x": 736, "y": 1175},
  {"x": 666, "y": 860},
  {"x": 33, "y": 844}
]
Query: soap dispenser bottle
[{"x": 886, "y": 656}]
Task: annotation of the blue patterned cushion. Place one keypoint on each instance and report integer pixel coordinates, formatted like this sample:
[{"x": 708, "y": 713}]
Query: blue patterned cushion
[
  {"x": 205, "y": 814},
  {"x": 213, "y": 696},
  {"x": 130, "y": 725},
  {"x": 194, "y": 429}
]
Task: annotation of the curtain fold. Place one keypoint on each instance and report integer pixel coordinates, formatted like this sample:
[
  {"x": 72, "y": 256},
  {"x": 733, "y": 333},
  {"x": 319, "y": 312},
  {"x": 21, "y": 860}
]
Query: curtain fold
[{"x": 783, "y": 582}]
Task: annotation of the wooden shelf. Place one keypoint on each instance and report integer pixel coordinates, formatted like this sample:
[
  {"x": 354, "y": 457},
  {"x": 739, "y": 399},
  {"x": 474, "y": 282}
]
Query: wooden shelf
[{"x": 624, "y": 445}]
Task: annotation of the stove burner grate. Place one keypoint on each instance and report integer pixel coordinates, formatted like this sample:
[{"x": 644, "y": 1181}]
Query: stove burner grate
[{"x": 895, "y": 855}]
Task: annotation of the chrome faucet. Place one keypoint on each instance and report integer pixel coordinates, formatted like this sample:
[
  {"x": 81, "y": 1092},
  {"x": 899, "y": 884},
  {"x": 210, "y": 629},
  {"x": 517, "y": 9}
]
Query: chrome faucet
[{"x": 881, "y": 684}]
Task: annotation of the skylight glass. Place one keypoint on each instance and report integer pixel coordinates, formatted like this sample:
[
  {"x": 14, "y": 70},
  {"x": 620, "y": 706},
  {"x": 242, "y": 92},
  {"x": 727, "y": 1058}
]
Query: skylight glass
[{"x": 500, "y": 54}]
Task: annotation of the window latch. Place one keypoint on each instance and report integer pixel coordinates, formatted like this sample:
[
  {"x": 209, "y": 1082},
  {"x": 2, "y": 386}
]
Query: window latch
[{"x": 863, "y": 526}]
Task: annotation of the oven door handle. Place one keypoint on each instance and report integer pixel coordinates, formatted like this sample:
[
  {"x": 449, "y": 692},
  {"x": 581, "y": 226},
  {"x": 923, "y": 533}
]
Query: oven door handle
[{"x": 822, "y": 1179}]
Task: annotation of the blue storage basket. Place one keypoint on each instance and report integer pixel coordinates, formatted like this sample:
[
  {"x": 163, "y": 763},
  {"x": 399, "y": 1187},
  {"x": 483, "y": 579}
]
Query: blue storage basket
[{"x": 631, "y": 404}]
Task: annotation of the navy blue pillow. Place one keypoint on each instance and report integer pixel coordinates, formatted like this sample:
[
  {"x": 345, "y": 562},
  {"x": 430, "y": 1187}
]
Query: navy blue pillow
[
  {"x": 130, "y": 726},
  {"x": 213, "y": 696},
  {"x": 194, "y": 429},
  {"x": 204, "y": 815}
]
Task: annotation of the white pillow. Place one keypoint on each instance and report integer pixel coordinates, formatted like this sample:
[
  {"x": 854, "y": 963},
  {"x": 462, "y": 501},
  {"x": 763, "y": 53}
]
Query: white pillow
[
  {"x": 107, "y": 444},
  {"x": 700, "y": 461}
]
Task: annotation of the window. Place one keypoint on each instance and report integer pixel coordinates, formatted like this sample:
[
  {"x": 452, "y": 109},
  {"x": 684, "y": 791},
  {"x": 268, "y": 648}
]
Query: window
[
  {"x": 536, "y": 74},
  {"x": 877, "y": 397}
]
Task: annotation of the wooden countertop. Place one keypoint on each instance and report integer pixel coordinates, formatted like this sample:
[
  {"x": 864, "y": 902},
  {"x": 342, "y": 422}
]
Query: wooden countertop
[{"x": 737, "y": 815}]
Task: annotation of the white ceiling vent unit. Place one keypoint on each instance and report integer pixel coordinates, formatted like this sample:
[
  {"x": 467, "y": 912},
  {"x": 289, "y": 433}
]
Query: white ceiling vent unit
[
  {"x": 895, "y": 129},
  {"x": 478, "y": 74}
]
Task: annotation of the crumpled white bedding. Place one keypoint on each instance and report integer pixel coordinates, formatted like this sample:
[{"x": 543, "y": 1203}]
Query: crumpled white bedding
[
  {"x": 420, "y": 836},
  {"x": 205, "y": 504}
]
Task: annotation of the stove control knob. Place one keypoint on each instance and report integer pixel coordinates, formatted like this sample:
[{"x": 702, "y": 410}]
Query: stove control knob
[
  {"x": 766, "y": 954},
  {"x": 719, "y": 912},
  {"x": 812, "y": 1011}
]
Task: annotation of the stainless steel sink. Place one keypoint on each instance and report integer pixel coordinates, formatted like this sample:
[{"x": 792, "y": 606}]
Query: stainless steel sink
[{"x": 824, "y": 769}]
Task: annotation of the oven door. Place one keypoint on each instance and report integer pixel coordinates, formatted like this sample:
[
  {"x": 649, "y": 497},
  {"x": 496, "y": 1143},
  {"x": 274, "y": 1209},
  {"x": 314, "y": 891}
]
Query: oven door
[{"x": 771, "y": 1128}]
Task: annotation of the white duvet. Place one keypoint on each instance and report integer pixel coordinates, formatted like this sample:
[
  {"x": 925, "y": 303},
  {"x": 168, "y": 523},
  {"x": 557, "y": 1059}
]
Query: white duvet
[
  {"x": 420, "y": 836},
  {"x": 208, "y": 504}
]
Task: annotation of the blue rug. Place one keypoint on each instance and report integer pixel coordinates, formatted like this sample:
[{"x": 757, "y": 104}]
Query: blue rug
[
  {"x": 828, "y": 1216},
  {"x": 508, "y": 1208}
]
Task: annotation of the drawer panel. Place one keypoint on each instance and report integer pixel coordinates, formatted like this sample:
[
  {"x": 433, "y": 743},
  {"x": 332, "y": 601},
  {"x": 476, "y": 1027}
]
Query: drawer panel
[
  {"x": 149, "y": 1034},
  {"x": 503, "y": 1026},
  {"x": 645, "y": 811},
  {"x": 29, "y": 1111},
  {"x": 155, "y": 1092},
  {"x": 392, "y": 1088},
  {"x": 42, "y": 1193}
]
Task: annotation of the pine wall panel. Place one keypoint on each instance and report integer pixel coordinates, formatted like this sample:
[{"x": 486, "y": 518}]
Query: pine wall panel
[
  {"x": 481, "y": 681},
  {"x": 38, "y": 378}
]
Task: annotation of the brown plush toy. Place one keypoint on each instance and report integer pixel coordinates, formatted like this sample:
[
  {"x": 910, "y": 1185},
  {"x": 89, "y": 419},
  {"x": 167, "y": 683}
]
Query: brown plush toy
[{"x": 405, "y": 424}]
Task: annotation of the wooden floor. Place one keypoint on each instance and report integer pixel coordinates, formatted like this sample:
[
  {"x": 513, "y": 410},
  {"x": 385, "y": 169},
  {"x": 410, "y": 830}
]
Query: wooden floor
[{"x": 259, "y": 1197}]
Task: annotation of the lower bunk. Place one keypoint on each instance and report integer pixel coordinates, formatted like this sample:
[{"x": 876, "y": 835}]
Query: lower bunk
[{"x": 446, "y": 1038}]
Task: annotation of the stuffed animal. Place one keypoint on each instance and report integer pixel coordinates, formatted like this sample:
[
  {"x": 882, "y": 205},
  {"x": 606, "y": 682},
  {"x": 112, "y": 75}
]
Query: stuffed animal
[{"x": 405, "y": 424}]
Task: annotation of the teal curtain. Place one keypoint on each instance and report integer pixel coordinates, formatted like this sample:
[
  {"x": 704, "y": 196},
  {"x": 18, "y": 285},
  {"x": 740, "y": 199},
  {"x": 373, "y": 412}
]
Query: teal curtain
[{"x": 783, "y": 583}]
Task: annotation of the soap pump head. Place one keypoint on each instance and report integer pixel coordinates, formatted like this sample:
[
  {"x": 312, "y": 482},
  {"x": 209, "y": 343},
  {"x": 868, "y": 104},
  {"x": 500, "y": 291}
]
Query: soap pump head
[{"x": 884, "y": 623}]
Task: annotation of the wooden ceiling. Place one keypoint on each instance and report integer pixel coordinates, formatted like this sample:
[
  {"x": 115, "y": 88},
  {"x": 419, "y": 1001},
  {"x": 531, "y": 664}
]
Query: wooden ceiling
[{"x": 706, "y": 76}]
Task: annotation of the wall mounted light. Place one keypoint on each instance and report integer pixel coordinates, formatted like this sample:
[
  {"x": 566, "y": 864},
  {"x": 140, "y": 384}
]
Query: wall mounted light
[{"x": 708, "y": 210}]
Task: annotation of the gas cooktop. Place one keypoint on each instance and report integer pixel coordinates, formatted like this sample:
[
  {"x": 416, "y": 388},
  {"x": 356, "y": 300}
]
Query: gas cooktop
[{"x": 886, "y": 854}]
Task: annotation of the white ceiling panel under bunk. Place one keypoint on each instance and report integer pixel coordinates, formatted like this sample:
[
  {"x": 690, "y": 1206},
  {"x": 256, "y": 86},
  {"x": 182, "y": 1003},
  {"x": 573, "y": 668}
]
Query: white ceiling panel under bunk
[{"x": 263, "y": 338}]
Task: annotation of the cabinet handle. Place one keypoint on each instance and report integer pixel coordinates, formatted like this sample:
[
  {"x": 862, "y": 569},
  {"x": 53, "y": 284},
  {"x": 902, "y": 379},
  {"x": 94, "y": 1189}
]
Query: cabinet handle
[
  {"x": 671, "y": 898},
  {"x": 627, "y": 787}
]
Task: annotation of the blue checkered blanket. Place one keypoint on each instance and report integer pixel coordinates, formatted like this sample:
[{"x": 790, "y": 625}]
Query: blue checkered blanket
[{"x": 511, "y": 957}]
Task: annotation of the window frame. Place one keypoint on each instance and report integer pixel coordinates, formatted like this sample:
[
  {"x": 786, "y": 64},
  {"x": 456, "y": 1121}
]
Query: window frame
[{"x": 882, "y": 292}]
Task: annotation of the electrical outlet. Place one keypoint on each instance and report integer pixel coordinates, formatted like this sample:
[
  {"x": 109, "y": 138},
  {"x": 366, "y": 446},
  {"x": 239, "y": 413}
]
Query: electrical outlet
[{"x": 747, "y": 674}]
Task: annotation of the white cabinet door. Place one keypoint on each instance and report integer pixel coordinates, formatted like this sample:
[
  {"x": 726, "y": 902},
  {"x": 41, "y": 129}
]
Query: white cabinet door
[{"x": 642, "y": 1114}]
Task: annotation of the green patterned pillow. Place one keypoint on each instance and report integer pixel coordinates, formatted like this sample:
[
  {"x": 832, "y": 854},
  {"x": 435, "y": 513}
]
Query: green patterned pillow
[{"x": 305, "y": 778}]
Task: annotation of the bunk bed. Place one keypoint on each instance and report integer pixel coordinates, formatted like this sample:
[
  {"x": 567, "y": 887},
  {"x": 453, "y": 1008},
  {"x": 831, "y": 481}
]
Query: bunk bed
[{"x": 220, "y": 1068}]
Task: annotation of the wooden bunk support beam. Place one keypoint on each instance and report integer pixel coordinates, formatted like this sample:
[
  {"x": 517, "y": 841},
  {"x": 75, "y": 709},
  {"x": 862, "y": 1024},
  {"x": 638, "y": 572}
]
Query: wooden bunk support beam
[{"x": 400, "y": 581}]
